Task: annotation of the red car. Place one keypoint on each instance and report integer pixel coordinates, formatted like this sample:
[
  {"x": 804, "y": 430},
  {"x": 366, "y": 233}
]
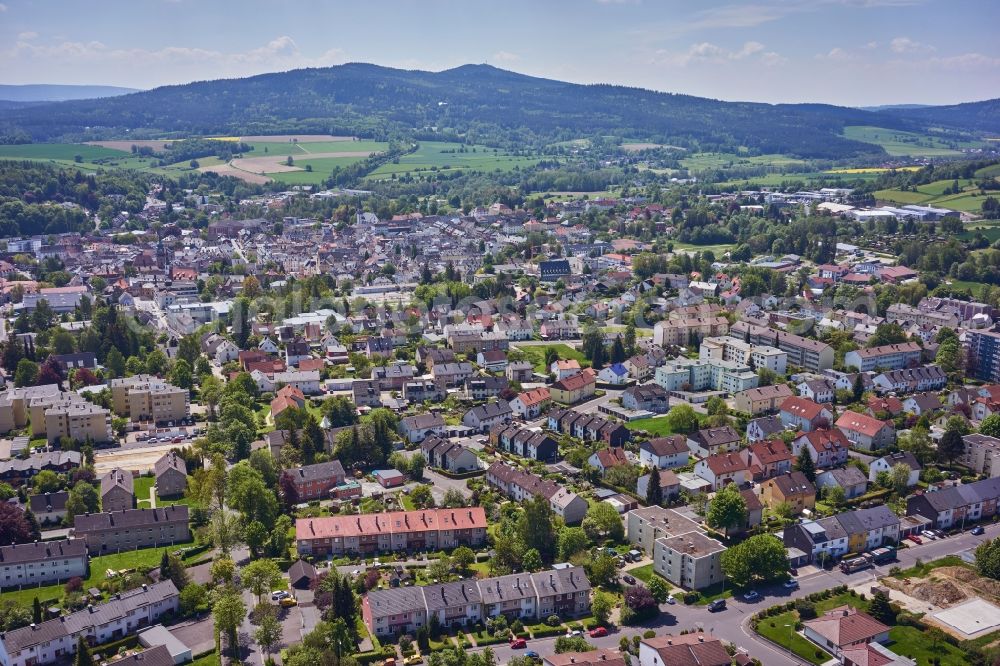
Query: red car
[
  {"x": 915, "y": 539},
  {"x": 597, "y": 632},
  {"x": 518, "y": 644}
]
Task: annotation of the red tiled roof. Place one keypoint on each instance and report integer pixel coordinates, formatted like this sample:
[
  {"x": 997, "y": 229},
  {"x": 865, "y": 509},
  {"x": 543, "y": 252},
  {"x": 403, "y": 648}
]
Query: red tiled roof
[
  {"x": 801, "y": 407},
  {"x": 862, "y": 423},
  {"x": 845, "y": 625},
  {"x": 390, "y": 522}
]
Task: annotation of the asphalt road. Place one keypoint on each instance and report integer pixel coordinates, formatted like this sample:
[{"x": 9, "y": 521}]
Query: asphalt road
[{"x": 731, "y": 624}]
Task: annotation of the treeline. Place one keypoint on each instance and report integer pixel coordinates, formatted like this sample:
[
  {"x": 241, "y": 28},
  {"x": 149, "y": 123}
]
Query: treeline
[
  {"x": 192, "y": 149},
  {"x": 35, "y": 183}
]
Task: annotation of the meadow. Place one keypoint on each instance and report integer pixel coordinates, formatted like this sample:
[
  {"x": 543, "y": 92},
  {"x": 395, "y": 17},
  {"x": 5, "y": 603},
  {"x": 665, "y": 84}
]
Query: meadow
[
  {"x": 704, "y": 161},
  {"x": 900, "y": 143},
  {"x": 441, "y": 156},
  {"x": 932, "y": 194}
]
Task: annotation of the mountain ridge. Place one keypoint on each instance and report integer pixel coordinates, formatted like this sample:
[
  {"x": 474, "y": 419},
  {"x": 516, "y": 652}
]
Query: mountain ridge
[{"x": 480, "y": 102}]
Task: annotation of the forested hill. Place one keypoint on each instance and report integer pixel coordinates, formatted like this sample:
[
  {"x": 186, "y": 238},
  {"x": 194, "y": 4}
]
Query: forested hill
[{"x": 483, "y": 103}]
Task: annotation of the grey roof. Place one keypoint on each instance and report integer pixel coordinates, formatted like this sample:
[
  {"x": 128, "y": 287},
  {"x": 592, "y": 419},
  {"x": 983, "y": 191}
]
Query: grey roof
[
  {"x": 769, "y": 425},
  {"x": 420, "y": 421},
  {"x": 490, "y": 410},
  {"x": 395, "y": 601},
  {"x": 117, "y": 478},
  {"x": 665, "y": 446},
  {"x": 116, "y": 608},
  {"x": 449, "y": 595},
  {"x": 301, "y": 569},
  {"x": 970, "y": 493},
  {"x": 831, "y": 528},
  {"x": 170, "y": 461},
  {"x": 902, "y": 458},
  {"x": 847, "y": 476},
  {"x": 40, "y": 461},
  {"x": 42, "y": 551},
  {"x": 318, "y": 472},
  {"x": 154, "y": 656},
  {"x": 865, "y": 520},
  {"x": 560, "y": 581},
  {"x": 93, "y": 522},
  {"x": 45, "y": 503},
  {"x": 506, "y": 588}
]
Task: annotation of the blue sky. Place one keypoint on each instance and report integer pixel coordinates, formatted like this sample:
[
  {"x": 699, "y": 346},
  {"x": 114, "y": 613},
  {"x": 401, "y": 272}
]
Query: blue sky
[{"x": 852, "y": 52}]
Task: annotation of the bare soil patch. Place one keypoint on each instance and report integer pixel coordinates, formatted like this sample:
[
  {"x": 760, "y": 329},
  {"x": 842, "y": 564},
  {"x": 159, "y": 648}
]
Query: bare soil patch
[
  {"x": 126, "y": 146},
  {"x": 301, "y": 138}
]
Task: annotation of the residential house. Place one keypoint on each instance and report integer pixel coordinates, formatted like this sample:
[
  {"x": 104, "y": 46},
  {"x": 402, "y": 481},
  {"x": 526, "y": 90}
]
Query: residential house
[
  {"x": 484, "y": 387},
  {"x": 42, "y": 562},
  {"x": 483, "y": 417},
  {"x": 605, "y": 459},
  {"x": 767, "y": 459},
  {"x": 845, "y": 628},
  {"x": 664, "y": 452},
  {"x": 648, "y": 397},
  {"x": 48, "y": 508},
  {"x": 574, "y": 389},
  {"x": 670, "y": 484},
  {"x": 615, "y": 374},
  {"x": 828, "y": 448},
  {"x": 115, "y": 531},
  {"x": 766, "y": 427},
  {"x": 693, "y": 649},
  {"x": 923, "y": 403},
  {"x": 171, "y": 475},
  {"x": 910, "y": 380},
  {"x": 804, "y": 414},
  {"x": 887, "y": 463},
  {"x": 563, "y": 368},
  {"x": 416, "y": 428},
  {"x": 117, "y": 491},
  {"x": 314, "y": 482},
  {"x": 792, "y": 488},
  {"x": 957, "y": 505},
  {"x": 531, "y": 404},
  {"x": 817, "y": 390},
  {"x": 711, "y": 441},
  {"x": 519, "y": 371},
  {"x": 762, "y": 399},
  {"x": 850, "y": 479},
  {"x": 519, "y": 486},
  {"x": 449, "y": 456},
  {"x": 866, "y": 432},
  {"x": 722, "y": 469},
  {"x": 366, "y": 393}
]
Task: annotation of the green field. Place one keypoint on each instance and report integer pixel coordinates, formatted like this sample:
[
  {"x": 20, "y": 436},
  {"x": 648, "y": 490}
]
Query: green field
[
  {"x": 536, "y": 355},
  {"x": 265, "y": 148},
  {"x": 986, "y": 172},
  {"x": 58, "y": 151},
  {"x": 932, "y": 194},
  {"x": 704, "y": 161},
  {"x": 897, "y": 142},
  {"x": 321, "y": 168},
  {"x": 438, "y": 155}
]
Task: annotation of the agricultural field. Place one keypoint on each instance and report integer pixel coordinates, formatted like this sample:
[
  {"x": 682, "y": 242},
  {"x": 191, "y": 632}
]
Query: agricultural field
[
  {"x": 899, "y": 143},
  {"x": 814, "y": 178},
  {"x": 932, "y": 194},
  {"x": 321, "y": 168},
  {"x": 442, "y": 156},
  {"x": 57, "y": 151},
  {"x": 872, "y": 170},
  {"x": 704, "y": 161}
]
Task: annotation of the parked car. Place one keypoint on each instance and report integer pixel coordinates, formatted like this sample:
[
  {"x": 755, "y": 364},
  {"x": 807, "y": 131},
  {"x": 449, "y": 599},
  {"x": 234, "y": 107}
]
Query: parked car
[
  {"x": 915, "y": 539},
  {"x": 977, "y": 530},
  {"x": 752, "y": 595},
  {"x": 531, "y": 654},
  {"x": 670, "y": 599},
  {"x": 573, "y": 633},
  {"x": 791, "y": 584},
  {"x": 289, "y": 601},
  {"x": 518, "y": 644},
  {"x": 597, "y": 632},
  {"x": 278, "y": 595},
  {"x": 628, "y": 579},
  {"x": 413, "y": 660},
  {"x": 717, "y": 605},
  {"x": 927, "y": 534}
]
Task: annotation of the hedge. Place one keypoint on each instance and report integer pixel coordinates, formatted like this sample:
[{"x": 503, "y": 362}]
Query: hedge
[{"x": 374, "y": 656}]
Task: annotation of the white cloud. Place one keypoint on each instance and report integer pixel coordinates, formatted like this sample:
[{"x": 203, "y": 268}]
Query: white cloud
[
  {"x": 3, "y": 8},
  {"x": 27, "y": 35},
  {"x": 837, "y": 54},
  {"x": 278, "y": 54},
  {"x": 907, "y": 45},
  {"x": 506, "y": 56},
  {"x": 709, "y": 53}
]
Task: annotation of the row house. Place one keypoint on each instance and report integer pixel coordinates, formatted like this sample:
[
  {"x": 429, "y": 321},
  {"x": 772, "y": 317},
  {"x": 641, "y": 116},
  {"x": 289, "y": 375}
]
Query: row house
[
  {"x": 55, "y": 640},
  {"x": 484, "y": 387},
  {"x": 20, "y": 470},
  {"x": 911, "y": 380},
  {"x": 371, "y": 534},
  {"x": 957, "y": 505},
  {"x": 588, "y": 427},
  {"x": 529, "y": 597},
  {"x": 525, "y": 442},
  {"x": 519, "y": 486},
  {"x": 423, "y": 390},
  {"x": 449, "y": 456},
  {"x": 855, "y": 531},
  {"x": 42, "y": 562}
]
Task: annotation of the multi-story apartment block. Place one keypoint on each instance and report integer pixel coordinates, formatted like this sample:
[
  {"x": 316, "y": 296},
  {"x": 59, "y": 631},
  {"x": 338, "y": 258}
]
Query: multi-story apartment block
[
  {"x": 171, "y": 475},
  {"x": 982, "y": 454},
  {"x": 55, "y": 640},
  {"x": 14, "y": 412},
  {"x": 520, "y": 486},
  {"x": 802, "y": 352},
  {"x": 79, "y": 421},
  {"x": 149, "y": 398},
  {"x": 525, "y": 442},
  {"x": 396, "y": 611},
  {"x": 732, "y": 349},
  {"x": 433, "y": 529},
  {"x": 887, "y": 357},
  {"x": 688, "y": 331},
  {"x": 42, "y": 562},
  {"x": 691, "y": 561},
  {"x": 684, "y": 374},
  {"x": 135, "y": 528}
]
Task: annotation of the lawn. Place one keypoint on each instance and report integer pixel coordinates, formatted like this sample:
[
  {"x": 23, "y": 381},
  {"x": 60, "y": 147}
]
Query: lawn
[
  {"x": 536, "y": 355},
  {"x": 305, "y": 148},
  {"x": 137, "y": 559},
  {"x": 655, "y": 426},
  {"x": 913, "y": 643},
  {"x": 207, "y": 659},
  {"x": 142, "y": 486},
  {"x": 780, "y": 629},
  {"x": 643, "y": 573}
]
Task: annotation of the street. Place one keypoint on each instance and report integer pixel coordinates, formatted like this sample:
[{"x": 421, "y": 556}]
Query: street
[{"x": 732, "y": 624}]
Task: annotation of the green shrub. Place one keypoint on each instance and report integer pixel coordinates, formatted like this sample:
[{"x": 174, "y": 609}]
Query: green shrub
[{"x": 649, "y": 633}]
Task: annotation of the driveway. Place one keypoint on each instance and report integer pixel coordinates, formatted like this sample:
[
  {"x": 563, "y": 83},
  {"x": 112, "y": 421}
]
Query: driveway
[{"x": 199, "y": 635}]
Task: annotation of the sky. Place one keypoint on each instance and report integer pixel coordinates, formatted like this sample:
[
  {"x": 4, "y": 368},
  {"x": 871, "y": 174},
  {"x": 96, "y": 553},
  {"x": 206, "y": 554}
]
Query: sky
[{"x": 848, "y": 52}]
